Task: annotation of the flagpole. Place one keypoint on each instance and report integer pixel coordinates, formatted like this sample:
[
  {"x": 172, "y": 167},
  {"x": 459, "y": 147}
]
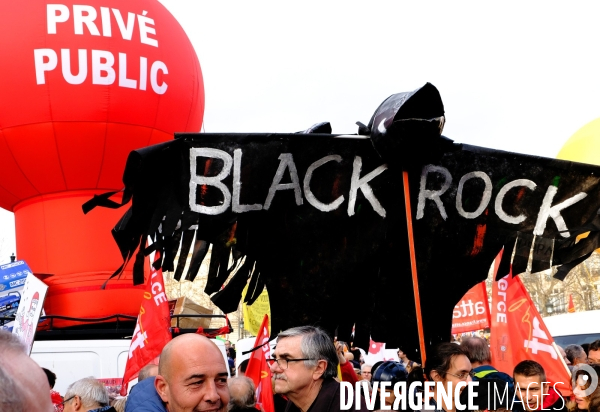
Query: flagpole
[{"x": 413, "y": 265}]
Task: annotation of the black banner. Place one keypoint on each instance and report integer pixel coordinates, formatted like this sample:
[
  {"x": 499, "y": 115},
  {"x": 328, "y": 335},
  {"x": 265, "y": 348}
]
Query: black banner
[{"x": 320, "y": 220}]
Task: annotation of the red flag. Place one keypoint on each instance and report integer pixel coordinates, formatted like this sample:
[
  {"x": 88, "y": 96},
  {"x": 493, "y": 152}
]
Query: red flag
[
  {"x": 259, "y": 371},
  {"x": 152, "y": 330},
  {"x": 472, "y": 312},
  {"x": 571, "y": 308},
  {"x": 518, "y": 333}
]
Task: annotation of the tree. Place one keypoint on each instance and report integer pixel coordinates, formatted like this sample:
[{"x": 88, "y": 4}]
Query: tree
[{"x": 551, "y": 296}]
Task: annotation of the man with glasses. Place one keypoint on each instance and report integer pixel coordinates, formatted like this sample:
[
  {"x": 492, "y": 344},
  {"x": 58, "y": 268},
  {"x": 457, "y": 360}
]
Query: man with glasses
[
  {"x": 365, "y": 372},
  {"x": 594, "y": 353},
  {"x": 447, "y": 366},
  {"x": 304, "y": 365},
  {"x": 87, "y": 395}
]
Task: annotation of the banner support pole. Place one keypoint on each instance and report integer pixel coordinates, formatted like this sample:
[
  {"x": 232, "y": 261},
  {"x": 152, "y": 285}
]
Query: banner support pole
[{"x": 413, "y": 265}]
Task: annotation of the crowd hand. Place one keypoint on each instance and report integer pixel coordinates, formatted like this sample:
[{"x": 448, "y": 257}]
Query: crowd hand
[{"x": 339, "y": 348}]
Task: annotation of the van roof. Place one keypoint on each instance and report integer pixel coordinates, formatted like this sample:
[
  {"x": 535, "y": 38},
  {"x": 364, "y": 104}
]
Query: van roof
[{"x": 574, "y": 323}]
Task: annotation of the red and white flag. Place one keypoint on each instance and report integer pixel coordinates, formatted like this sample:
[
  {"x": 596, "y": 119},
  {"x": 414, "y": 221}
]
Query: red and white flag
[
  {"x": 518, "y": 333},
  {"x": 472, "y": 312},
  {"x": 152, "y": 330},
  {"x": 259, "y": 371},
  {"x": 571, "y": 307},
  {"x": 375, "y": 347}
]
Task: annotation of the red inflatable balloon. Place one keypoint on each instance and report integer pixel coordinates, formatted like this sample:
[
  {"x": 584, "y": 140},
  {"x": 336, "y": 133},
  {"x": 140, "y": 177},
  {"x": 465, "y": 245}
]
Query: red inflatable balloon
[{"x": 82, "y": 84}]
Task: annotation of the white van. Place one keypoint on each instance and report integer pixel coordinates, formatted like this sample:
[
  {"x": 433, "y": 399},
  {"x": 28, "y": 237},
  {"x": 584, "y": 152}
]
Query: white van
[
  {"x": 578, "y": 328},
  {"x": 72, "y": 360}
]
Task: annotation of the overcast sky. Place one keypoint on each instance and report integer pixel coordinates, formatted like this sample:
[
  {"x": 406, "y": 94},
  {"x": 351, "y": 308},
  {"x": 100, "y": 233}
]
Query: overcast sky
[{"x": 517, "y": 76}]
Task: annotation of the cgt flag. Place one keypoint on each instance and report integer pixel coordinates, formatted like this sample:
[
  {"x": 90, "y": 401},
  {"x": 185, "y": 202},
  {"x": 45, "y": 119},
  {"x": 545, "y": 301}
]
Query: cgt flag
[
  {"x": 518, "y": 333},
  {"x": 472, "y": 312},
  {"x": 259, "y": 371},
  {"x": 152, "y": 330}
]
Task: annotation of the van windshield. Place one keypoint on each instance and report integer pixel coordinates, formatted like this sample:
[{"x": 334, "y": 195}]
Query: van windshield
[{"x": 576, "y": 339}]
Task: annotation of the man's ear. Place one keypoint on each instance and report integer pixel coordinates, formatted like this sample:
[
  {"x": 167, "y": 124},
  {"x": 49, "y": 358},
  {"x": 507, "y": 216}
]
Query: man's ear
[
  {"x": 319, "y": 369},
  {"x": 435, "y": 375},
  {"x": 77, "y": 405},
  {"x": 162, "y": 388}
]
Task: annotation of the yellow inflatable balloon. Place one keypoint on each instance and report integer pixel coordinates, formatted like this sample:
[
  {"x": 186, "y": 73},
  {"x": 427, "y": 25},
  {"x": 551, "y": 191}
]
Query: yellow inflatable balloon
[{"x": 584, "y": 145}]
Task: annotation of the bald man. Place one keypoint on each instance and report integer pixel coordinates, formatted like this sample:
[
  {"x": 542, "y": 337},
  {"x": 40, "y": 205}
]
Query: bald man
[
  {"x": 243, "y": 395},
  {"x": 192, "y": 376},
  {"x": 24, "y": 384},
  {"x": 147, "y": 372}
]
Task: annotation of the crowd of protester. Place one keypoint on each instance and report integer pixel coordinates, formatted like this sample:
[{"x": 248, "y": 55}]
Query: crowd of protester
[{"x": 307, "y": 367}]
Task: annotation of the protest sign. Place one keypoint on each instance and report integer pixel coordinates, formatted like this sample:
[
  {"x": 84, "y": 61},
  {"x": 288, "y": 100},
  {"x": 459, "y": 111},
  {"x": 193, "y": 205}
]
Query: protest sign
[{"x": 30, "y": 310}]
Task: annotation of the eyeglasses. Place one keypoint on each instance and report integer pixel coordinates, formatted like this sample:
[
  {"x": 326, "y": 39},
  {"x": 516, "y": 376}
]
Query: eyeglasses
[
  {"x": 67, "y": 400},
  {"x": 463, "y": 376},
  {"x": 283, "y": 362}
]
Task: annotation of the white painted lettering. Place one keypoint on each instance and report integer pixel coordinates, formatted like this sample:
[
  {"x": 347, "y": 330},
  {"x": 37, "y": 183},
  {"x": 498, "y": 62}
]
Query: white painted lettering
[
  {"x": 485, "y": 199},
  {"x": 215, "y": 181},
  {"x": 434, "y": 195},
  {"x": 357, "y": 183},
  {"x": 310, "y": 197},
  {"x": 237, "y": 185},
  {"x": 547, "y": 210},
  {"x": 515, "y": 220},
  {"x": 286, "y": 161}
]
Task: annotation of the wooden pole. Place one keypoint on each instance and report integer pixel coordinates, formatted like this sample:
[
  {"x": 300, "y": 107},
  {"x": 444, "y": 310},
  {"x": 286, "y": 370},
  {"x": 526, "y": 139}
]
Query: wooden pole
[{"x": 413, "y": 265}]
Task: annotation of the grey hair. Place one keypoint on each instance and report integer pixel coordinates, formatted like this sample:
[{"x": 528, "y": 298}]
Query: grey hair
[
  {"x": 476, "y": 349},
  {"x": 11, "y": 342},
  {"x": 573, "y": 352},
  {"x": 246, "y": 398},
  {"x": 119, "y": 404},
  {"x": 316, "y": 345},
  {"x": 147, "y": 372},
  {"x": 10, "y": 394},
  {"x": 91, "y": 391}
]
